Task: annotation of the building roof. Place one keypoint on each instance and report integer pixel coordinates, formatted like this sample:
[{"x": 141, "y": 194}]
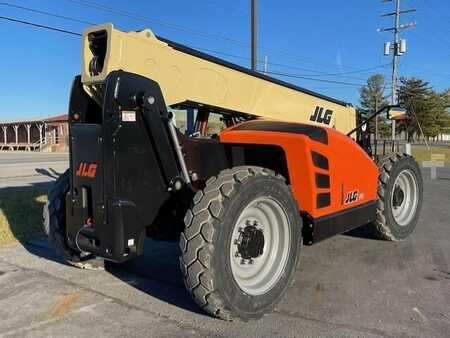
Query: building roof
[{"x": 57, "y": 118}]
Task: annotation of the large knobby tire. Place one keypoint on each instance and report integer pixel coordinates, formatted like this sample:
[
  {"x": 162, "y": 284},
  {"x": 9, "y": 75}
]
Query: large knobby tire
[
  {"x": 242, "y": 217},
  {"x": 54, "y": 220},
  {"x": 400, "y": 193}
]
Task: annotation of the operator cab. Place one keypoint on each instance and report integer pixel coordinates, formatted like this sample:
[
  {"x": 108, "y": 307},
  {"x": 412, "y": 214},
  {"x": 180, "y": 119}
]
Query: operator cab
[{"x": 195, "y": 120}]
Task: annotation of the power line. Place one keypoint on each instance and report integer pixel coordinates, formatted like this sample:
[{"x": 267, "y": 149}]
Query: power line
[
  {"x": 296, "y": 76},
  {"x": 364, "y": 70},
  {"x": 137, "y": 17},
  {"x": 427, "y": 70},
  {"x": 40, "y": 26},
  {"x": 28, "y": 9},
  {"x": 299, "y": 68},
  {"x": 141, "y": 18},
  {"x": 314, "y": 72}
]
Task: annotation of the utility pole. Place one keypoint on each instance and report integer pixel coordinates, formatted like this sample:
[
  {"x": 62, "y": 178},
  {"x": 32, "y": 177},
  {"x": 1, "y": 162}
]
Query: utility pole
[
  {"x": 376, "y": 120},
  {"x": 398, "y": 47},
  {"x": 395, "y": 55},
  {"x": 254, "y": 34}
]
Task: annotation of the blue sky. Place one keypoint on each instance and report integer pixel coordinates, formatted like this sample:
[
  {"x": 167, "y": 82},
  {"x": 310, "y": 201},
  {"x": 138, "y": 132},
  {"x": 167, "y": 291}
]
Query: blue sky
[{"x": 311, "y": 37}]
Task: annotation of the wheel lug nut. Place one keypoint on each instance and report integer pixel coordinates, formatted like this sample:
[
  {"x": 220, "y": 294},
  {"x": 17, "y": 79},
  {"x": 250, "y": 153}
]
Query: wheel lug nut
[
  {"x": 247, "y": 222},
  {"x": 236, "y": 242},
  {"x": 237, "y": 254},
  {"x": 250, "y": 261},
  {"x": 242, "y": 261}
]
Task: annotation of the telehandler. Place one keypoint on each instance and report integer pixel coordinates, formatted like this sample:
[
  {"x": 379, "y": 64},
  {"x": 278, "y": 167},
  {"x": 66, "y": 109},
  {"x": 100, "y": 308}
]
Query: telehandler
[{"x": 290, "y": 167}]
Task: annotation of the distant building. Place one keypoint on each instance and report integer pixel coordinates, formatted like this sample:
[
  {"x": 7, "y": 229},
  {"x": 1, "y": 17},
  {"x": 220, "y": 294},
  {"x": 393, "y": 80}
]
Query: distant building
[{"x": 50, "y": 134}]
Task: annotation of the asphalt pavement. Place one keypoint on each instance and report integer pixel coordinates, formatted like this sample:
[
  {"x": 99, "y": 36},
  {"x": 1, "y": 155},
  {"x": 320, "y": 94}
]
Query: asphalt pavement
[
  {"x": 22, "y": 157},
  {"x": 351, "y": 285},
  {"x": 26, "y": 168}
]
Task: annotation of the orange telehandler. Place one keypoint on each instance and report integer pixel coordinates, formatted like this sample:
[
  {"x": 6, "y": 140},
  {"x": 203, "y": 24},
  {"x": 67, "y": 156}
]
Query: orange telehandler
[{"x": 286, "y": 166}]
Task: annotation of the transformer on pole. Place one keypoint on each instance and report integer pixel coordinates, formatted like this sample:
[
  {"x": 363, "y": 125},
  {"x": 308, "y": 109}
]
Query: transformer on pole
[{"x": 398, "y": 47}]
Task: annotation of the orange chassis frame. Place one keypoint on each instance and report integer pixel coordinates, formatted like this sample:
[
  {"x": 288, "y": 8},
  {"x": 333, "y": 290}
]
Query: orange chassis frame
[{"x": 332, "y": 178}]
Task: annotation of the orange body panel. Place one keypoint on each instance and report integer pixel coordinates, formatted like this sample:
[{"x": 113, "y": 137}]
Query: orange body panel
[{"x": 352, "y": 173}]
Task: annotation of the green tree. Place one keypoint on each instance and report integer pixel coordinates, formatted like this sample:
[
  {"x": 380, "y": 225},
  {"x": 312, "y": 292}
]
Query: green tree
[
  {"x": 446, "y": 98},
  {"x": 384, "y": 128},
  {"x": 414, "y": 95},
  {"x": 443, "y": 112},
  {"x": 424, "y": 106},
  {"x": 439, "y": 115},
  {"x": 372, "y": 99}
]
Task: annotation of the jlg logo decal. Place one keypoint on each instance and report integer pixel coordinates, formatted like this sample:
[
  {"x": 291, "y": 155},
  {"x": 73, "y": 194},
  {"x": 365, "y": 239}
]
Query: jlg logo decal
[
  {"x": 321, "y": 115},
  {"x": 87, "y": 170},
  {"x": 352, "y": 197}
]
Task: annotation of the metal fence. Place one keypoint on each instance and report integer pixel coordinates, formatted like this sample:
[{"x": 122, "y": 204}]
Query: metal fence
[{"x": 384, "y": 147}]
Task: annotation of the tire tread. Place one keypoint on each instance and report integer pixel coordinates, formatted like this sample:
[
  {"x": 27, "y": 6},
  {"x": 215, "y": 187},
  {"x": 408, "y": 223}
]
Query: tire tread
[
  {"x": 53, "y": 220},
  {"x": 196, "y": 253},
  {"x": 380, "y": 226}
]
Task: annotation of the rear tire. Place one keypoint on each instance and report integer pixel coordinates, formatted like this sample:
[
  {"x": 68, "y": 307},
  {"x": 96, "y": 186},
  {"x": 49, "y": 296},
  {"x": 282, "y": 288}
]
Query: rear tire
[
  {"x": 400, "y": 192},
  {"x": 214, "y": 245},
  {"x": 54, "y": 220}
]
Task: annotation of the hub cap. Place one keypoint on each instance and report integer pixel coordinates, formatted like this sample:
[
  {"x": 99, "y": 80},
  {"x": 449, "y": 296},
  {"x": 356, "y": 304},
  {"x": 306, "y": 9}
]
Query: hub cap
[
  {"x": 259, "y": 247},
  {"x": 404, "y": 198}
]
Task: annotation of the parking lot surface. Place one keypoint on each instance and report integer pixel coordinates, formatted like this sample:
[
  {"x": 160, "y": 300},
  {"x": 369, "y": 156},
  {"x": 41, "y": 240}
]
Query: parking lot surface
[
  {"x": 350, "y": 285},
  {"x": 18, "y": 169}
]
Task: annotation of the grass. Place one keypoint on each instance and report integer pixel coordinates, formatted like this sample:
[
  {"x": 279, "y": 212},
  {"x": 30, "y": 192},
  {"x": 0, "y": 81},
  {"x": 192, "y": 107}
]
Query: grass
[
  {"x": 21, "y": 214},
  {"x": 421, "y": 153}
]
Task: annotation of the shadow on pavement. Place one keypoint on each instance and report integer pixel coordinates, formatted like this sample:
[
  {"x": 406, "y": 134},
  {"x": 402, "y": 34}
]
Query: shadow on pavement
[
  {"x": 364, "y": 231},
  {"x": 156, "y": 272}
]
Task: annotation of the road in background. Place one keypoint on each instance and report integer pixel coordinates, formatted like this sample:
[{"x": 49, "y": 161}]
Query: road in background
[{"x": 26, "y": 168}]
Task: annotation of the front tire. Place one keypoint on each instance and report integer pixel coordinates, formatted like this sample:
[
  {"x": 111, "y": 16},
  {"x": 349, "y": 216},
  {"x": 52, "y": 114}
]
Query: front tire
[
  {"x": 400, "y": 192},
  {"x": 241, "y": 243}
]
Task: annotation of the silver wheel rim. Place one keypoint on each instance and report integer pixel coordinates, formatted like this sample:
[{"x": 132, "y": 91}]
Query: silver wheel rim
[
  {"x": 405, "y": 209},
  {"x": 259, "y": 275}
]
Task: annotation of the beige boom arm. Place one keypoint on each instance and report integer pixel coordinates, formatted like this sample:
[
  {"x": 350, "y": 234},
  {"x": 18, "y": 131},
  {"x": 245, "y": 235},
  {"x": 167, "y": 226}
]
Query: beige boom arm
[{"x": 186, "y": 75}]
